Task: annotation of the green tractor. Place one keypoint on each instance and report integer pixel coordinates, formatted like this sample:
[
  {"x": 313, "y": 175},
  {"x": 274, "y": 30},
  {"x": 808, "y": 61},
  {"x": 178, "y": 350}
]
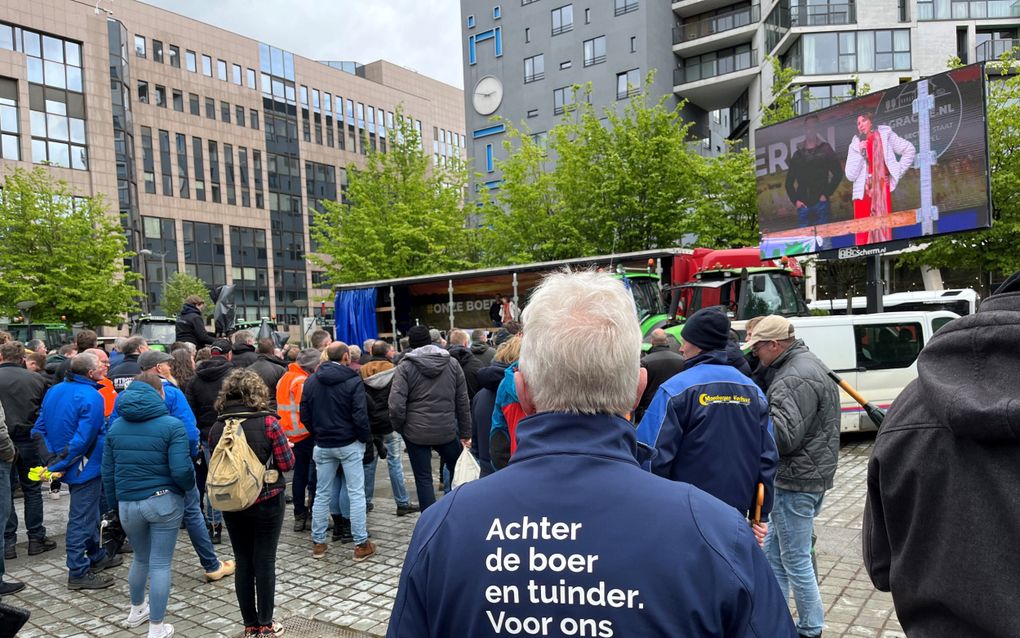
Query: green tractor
[
  {"x": 159, "y": 331},
  {"x": 53, "y": 335}
]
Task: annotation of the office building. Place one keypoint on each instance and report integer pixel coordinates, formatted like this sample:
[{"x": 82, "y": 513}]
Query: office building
[{"x": 216, "y": 149}]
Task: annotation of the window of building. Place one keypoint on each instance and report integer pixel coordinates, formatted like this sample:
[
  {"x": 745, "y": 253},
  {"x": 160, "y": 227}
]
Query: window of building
[
  {"x": 175, "y": 56},
  {"x": 157, "y": 51},
  {"x": 160, "y": 92},
  {"x": 242, "y": 168},
  {"x": 595, "y": 51},
  {"x": 140, "y": 46},
  {"x": 191, "y": 61},
  {"x": 214, "y": 171},
  {"x": 228, "y": 171},
  {"x": 178, "y": 100},
  {"x": 490, "y": 164},
  {"x": 251, "y": 78},
  {"x": 628, "y": 83},
  {"x": 239, "y": 114},
  {"x": 210, "y": 108},
  {"x": 235, "y": 74},
  {"x": 10, "y": 141},
  {"x": 254, "y": 119},
  {"x": 182, "y": 166},
  {"x": 965, "y": 9},
  {"x": 562, "y": 19},
  {"x": 56, "y": 104},
  {"x": 534, "y": 68},
  {"x": 193, "y": 104},
  {"x": 221, "y": 69},
  {"x": 143, "y": 92},
  {"x": 851, "y": 51},
  {"x": 206, "y": 66},
  {"x": 533, "y": 113},
  {"x": 717, "y": 63},
  {"x": 165, "y": 167},
  {"x": 820, "y": 96},
  {"x": 587, "y": 16},
  {"x": 205, "y": 253},
  {"x": 633, "y": 44},
  {"x": 527, "y": 35},
  {"x": 197, "y": 150},
  {"x": 256, "y": 162},
  {"x": 225, "y": 112},
  {"x": 148, "y": 161},
  {"x": 563, "y": 98},
  {"x": 320, "y": 186},
  {"x": 250, "y": 266},
  {"x": 624, "y": 6},
  {"x": 160, "y": 237}
]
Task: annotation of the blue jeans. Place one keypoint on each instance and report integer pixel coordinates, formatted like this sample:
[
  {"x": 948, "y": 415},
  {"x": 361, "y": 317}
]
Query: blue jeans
[
  {"x": 326, "y": 462},
  {"x": 394, "y": 445},
  {"x": 82, "y": 540},
  {"x": 820, "y": 212},
  {"x": 6, "y": 504},
  {"x": 194, "y": 521},
  {"x": 152, "y": 526},
  {"x": 788, "y": 548},
  {"x": 215, "y": 516}
]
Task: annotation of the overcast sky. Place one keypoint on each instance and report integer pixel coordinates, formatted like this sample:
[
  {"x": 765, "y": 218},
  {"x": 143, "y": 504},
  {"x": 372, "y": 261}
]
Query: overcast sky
[{"x": 423, "y": 35}]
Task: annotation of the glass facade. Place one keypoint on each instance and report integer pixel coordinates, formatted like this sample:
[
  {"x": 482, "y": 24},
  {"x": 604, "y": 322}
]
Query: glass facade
[
  {"x": 159, "y": 236},
  {"x": 320, "y": 184},
  {"x": 851, "y": 52},
  {"x": 10, "y": 141},
  {"x": 205, "y": 253},
  {"x": 966, "y": 9},
  {"x": 820, "y": 96},
  {"x": 249, "y": 260}
]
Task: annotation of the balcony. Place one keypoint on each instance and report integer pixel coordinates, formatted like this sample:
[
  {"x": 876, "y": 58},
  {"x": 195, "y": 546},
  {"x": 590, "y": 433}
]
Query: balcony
[
  {"x": 716, "y": 31},
  {"x": 625, "y": 6},
  {"x": 823, "y": 15},
  {"x": 715, "y": 80},
  {"x": 688, "y": 8},
  {"x": 992, "y": 49}
]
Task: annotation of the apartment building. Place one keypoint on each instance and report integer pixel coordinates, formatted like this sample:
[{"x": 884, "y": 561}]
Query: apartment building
[
  {"x": 216, "y": 149},
  {"x": 714, "y": 52}
]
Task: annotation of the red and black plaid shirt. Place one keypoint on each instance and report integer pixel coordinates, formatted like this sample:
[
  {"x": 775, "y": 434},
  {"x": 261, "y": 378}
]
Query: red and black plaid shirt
[{"x": 283, "y": 456}]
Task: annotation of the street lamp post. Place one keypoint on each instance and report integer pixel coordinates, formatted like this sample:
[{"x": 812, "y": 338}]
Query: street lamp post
[{"x": 300, "y": 315}]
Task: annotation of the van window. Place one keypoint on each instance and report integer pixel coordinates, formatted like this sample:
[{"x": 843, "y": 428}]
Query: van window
[
  {"x": 938, "y": 322},
  {"x": 886, "y": 346}
]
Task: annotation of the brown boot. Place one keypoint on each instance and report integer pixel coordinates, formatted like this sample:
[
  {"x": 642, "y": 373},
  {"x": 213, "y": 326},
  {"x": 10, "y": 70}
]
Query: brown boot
[
  {"x": 319, "y": 550},
  {"x": 363, "y": 551}
]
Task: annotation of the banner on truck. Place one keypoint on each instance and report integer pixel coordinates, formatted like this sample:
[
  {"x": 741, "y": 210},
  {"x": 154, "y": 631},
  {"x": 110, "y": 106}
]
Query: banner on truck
[{"x": 901, "y": 164}]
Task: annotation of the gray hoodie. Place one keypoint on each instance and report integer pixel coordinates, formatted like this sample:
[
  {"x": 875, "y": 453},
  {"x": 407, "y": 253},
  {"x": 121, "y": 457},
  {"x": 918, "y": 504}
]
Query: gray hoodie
[{"x": 429, "y": 399}]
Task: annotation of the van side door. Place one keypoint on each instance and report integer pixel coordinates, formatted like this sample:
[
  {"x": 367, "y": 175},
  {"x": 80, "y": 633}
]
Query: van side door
[{"x": 887, "y": 360}]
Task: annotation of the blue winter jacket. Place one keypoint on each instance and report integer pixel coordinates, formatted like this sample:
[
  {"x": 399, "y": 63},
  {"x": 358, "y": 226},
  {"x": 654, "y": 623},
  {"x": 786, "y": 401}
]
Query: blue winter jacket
[
  {"x": 574, "y": 518},
  {"x": 72, "y": 424},
  {"x": 178, "y": 407},
  {"x": 147, "y": 450},
  {"x": 710, "y": 427}
]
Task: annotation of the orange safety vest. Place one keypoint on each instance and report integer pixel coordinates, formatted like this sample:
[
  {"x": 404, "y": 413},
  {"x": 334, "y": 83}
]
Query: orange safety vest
[
  {"x": 288, "y": 403},
  {"x": 109, "y": 396}
]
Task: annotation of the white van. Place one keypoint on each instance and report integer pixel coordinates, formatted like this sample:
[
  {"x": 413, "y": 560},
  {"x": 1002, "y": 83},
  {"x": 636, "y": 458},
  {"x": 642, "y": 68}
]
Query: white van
[{"x": 876, "y": 354}]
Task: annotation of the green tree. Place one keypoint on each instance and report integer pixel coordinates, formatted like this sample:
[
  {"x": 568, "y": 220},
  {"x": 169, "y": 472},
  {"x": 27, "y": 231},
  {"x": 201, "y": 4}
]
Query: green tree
[
  {"x": 180, "y": 286},
  {"x": 994, "y": 249},
  {"x": 404, "y": 217},
  {"x": 781, "y": 108},
  {"x": 614, "y": 181},
  {"x": 63, "y": 252}
]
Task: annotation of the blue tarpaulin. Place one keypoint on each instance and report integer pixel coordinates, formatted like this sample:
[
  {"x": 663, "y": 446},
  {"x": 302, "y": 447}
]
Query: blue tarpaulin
[{"x": 355, "y": 316}]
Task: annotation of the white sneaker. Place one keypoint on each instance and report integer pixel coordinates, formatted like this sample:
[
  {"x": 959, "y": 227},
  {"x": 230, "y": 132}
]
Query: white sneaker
[
  {"x": 167, "y": 630},
  {"x": 136, "y": 619}
]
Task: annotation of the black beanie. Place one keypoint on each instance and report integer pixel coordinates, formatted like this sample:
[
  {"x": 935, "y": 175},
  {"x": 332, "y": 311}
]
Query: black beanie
[
  {"x": 418, "y": 336},
  {"x": 709, "y": 329}
]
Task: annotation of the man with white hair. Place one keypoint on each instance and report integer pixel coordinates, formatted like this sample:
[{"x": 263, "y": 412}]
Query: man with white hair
[{"x": 549, "y": 546}]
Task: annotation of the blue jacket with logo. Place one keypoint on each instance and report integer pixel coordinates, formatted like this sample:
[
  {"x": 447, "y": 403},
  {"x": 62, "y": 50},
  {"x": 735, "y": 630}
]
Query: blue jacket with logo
[
  {"x": 72, "y": 424},
  {"x": 573, "y": 533},
  {"x": 178, "y": 406},
  {"x": 710, "y": 427}
]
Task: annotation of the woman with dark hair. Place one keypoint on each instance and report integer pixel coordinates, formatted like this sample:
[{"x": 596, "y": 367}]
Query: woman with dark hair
[
  {"x": 146, "y": 473},
  {"x": 255, "y": 531},
  {"x": 182, "y": 368}
]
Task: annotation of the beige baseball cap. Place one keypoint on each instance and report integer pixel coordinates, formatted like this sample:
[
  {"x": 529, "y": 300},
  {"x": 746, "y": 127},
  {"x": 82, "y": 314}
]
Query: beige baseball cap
[{"x": 771, "y": 328}]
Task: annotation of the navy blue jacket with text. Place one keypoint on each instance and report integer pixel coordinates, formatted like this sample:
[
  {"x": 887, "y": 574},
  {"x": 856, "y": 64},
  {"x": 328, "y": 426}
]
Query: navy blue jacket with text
[
  {"x": 573, "y": 536},
  {"x": 710, "y": 427}
]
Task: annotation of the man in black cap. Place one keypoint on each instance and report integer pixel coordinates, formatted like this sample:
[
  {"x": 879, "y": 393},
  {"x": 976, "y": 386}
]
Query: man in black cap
[
  {"x": 710, "y": 424},
  {"x": 942, "y": 481},
  {"x": 429, "y": 407}
]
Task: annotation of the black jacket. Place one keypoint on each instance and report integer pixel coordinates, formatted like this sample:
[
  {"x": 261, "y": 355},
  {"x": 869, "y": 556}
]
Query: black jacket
[
  {"x": 56, "y": 368},
  {"x": 270, "y": 369},
  {"x": 121, "y": 374},
  {"x": 942, "y": 509},
  {"x": 243, "y": 355},
  {"x": 482, "y": 405},
  {"x": 494, "y": 311},
  {"x": 203, "y": 390},
  {"x": 191, "y": 327},
  {"x": 662, "y": 363},
  {"x": 429, "y": 402},
  {"x": 333, "y": 406},
  {"x": 813, "y": 174},
  {"x": 470, "y": 364},
  {"x": 484, "y": 352},
  {"x": 735, "y": 357},
  {"x": 21, "y": 394}
]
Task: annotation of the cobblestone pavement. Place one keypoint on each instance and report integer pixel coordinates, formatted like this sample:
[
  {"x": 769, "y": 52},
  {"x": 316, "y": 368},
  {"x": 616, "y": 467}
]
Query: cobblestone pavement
[{"x": 335, "y": 597}]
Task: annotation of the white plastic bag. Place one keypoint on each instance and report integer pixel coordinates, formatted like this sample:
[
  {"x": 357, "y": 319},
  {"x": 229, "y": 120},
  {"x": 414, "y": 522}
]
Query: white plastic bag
[{"x": 467, "y": 468}]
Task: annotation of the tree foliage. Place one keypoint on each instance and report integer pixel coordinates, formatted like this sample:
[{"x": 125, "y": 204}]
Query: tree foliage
[
  {"x": 615, "y": 181},
  {"x": 781, "y": 108},
  {"x": 65, "y": 253},
  {"x": 403, "y": 217},
  {"x": 994, "y": 249},
  {"x": 180, "y": 286}
]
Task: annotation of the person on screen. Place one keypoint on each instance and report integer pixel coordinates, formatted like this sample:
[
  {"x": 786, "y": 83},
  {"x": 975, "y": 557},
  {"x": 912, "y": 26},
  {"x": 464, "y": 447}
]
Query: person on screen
[
  {"x": 813, "y": 176},
  {"x": 873, "y": 167}
]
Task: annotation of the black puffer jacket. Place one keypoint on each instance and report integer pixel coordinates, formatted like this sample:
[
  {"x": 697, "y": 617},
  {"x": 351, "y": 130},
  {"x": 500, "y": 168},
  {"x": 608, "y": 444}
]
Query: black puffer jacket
[
  {"x": 270, "y": 369},
  {"x": 804, "y": 404},
  {"x": 191, "y": 327},
  {"x": 243, "y": 355},
  {"x": 21, "y": 394},
  {"x": 482, "y": 405},
  {"x": 333, "y": 406},
  {"x": 942, "y": 507},
  {"x": 484, "y": 352},
  {"x": 429, "y": 400},
  {"x": 124, "y": 372},
  {"x": 662, "y": 364},
  {"x": 470, "y": 365},
  {"x": 203, "y": 390}
]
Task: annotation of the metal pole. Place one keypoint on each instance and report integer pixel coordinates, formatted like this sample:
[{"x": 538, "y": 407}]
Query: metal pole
[
  {"x": 393, "y": 317},
  {"x": 517, "y": 301},
  {"x": 450, "y": 289},
  {"x": 875, "y": 290},
  {"x": 145, "y": 283}
]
